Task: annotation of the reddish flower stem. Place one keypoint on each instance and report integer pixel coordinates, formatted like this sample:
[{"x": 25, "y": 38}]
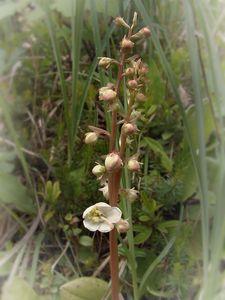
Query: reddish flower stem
[{"x": 114, "y": 185}]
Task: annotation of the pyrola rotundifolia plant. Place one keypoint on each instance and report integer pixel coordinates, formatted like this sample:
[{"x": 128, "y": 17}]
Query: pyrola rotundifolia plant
[{"x": 102, "y": 216}]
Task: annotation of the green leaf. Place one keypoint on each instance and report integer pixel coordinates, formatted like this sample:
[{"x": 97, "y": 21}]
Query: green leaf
[
  {"x": 84, "y": 288},
  {"x": 86, "y": 241},
  {"x": 13, "y": 192},
  {"x": 18, "y": 289},
  {"x": 157, "y": 148},
  {"x": 141, "y": 237}
]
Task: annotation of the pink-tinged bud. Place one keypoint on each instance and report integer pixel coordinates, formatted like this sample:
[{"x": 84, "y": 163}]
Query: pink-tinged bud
[
  {"x": 126, "y": 45},
  {"x": 98, "y": 170},
  {"x": 146, "y": 32},
  {"x": 132, "y": 84},
  {"x": 107, "y": 94},
  {"x": 105, "y": 62},
  {"x": 133, "y": 165},
  {"x": 141, "y": 97},
  {"x": 119, "y": 21},
  {"x": 122, "y": 226},
  {"x": 143, "y": 70},
  {"x": 129, "y": 72},
  {"x": 129, "y": 128},
  {"x": 91, "y": 138},
  {"x": 141, "y": 34},
  {"x": 105, "y": 191},
  {"x": 113, "y": 162}
]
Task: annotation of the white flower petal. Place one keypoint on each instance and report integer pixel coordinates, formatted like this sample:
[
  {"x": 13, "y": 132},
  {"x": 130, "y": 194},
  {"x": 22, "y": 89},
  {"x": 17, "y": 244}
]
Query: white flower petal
[
  {"x": 92, "y": 226},
  {"x": 87, "y": 210},
  {"x": 115, "y": 215},
  {"x": 105, "y": 227},
  {"x": 101, "y": 204}
]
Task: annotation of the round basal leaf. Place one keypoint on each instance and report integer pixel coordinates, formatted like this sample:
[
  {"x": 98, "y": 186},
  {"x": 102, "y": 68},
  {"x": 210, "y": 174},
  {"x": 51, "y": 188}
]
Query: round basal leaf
[
  {"x": 84, "y": 288},
  {"x": 18, "y": 289},
  {"x": 86, "y": 241}
]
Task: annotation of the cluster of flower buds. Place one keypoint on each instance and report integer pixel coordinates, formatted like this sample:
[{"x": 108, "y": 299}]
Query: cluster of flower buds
[{"x": 102, "y": 216}]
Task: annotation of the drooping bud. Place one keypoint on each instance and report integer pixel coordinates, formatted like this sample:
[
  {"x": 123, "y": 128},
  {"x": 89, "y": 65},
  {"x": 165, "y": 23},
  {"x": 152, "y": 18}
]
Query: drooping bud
[
  {"x": 141, "y": 97},
  {"x": 105, "y": 191},
  {"x": 107, "y": 94},
  {"x": 130, "y": 194},
  {"x": 132, "y": 84},
  {"x": 98, "y": 170},
  {"x": 135, "y": 115},
  {"x": 141, "y": 34},
  {"x": 129, "y": 128},
  {"x": 126, "y": 45},
  {"x": 129, "y": 72},
  {"x": 122, "y": 226},
  {"x": 114, "y": 106},
  {"x": 143, "y": 70},
  {"x": 133, "y": 165},
  {"x": 119, "y": 21},
  {"x": 91, "y": 138},
  {"x": 105, "y": 62},
  {"x": 113, "y": 162},
  {"x": 146, "y": 32}
]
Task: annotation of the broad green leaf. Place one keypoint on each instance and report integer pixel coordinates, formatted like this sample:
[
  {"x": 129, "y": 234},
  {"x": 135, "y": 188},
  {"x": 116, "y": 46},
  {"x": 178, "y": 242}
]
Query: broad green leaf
[
  {"x": 13, "y": 192},
  {"x": 84, "y": 288},
  {"x": 86, "y": 241},
  {"x": 157, "y": 148},
  {"x": 141, "y": 237},
  {"x": 19, "y": 289}
]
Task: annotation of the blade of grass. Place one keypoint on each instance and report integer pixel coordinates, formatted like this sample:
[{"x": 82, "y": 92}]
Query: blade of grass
[
  {"x": 217, "y": 87},
  {"x": 196, "y": 81},
  {"x": 37, "y": 247},
  {"x": 77, "y": 32},
  {"x": 58, "y": 59}
]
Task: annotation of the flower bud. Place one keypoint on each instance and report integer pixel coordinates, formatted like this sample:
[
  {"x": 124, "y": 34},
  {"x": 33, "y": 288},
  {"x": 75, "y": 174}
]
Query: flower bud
[
  {"x": 141, "y": 97},
  {"x": 98, "y": 170},
  {"x": 143, "y": 70},
  {"x": 105, "y": 62},
  {"x": 146, "y": 32},
  {"x": 130, "y": 194},
  {"x": 126, "y": 45},
  {"x": 133, "y": 165},
  {"x": 122, "y": 226},
  {"x": 129, "y": 72},
  {"x": 91, "y": 138},
  {"x": 105, "y": 191},
  {"x": 107, "y": 94},
  {"x": 129, "y": 128},
  {"x": 119, "y": 21},
  {"x": 132, "y": 84},
  {"x": 141, "y": 34},
  {"x": 113, "y": 162}
]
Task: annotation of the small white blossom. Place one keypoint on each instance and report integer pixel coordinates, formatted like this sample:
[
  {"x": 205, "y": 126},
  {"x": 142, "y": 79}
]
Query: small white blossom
[
  {"x": 105, "y": 191},
  {"x": 101, "y": 217}
]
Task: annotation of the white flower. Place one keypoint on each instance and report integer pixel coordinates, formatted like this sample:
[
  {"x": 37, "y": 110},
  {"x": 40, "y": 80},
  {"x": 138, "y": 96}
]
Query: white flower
[
  {"x": 101, "y": 216},
  {"x": 105, "y": 191}
]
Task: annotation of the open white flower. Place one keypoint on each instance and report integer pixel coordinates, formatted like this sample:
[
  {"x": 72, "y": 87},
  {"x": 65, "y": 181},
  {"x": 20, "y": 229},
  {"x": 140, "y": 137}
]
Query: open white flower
[{"x": 101, "y": 216}]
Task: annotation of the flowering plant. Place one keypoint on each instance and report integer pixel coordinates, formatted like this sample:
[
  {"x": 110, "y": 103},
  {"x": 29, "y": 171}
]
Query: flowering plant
[{"x": 107, "y": 217}]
